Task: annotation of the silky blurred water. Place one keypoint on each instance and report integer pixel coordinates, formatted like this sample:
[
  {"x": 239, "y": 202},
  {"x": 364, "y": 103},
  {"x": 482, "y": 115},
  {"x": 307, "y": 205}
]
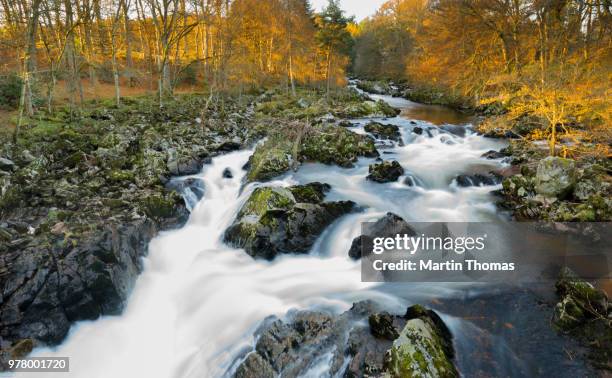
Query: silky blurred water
[{"x": 198, "y": 301}]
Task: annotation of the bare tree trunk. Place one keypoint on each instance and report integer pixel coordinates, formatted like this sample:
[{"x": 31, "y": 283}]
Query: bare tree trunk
[{"x": 30, "y": 56}]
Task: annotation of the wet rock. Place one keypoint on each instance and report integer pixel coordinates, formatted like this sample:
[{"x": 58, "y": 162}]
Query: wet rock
[
  {"x": 387, "y": 171},
  {"x": 454, "y": 129},
  {"x": 381, "y": 131},
  {"x": 230, "y": 145},
  {"x": 381, "y": 326},
  {"x": 417, "y": 130},
  {"x": 423, "y": 348},
  {"x": 387, "y": 226},
  {"x": 361, "y": 342},
  {"x": 492, "y": 154},
  {"x": 192, "y": 189},
  {"x": 478, "y": 179},
  {"x": 184, "y": 166},
  {"x": 336, "y": 145},
  {"x": 345, "y": 123},
  {"x": 412, "y": 180},
  {"x": 555, "y": 177},
  {"x": 269, "y": 160},
  {"x": 255, "y": 366},
  {"x": 227, "y": 173},
  {"x": 584, "y": 313},
  {"x": 283, "y": 220}
]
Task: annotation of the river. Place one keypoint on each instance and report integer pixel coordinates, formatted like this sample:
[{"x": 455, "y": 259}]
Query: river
[{"x": 197, "y": 303}]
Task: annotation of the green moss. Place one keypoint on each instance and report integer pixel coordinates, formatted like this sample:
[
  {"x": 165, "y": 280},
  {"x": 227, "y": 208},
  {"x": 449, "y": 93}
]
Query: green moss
[
  {"x": 269, "y": 160},
  {"x": 336, "y": 145},
  {"x": 264, "y": 199},
  {"x": 158, "y": 207},
  {"x": 309, "y": 193},
  {"x": 118, "y": 176}
]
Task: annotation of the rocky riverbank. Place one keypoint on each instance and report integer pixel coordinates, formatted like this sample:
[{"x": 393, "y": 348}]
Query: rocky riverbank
[{"x": 83, "y": 194}]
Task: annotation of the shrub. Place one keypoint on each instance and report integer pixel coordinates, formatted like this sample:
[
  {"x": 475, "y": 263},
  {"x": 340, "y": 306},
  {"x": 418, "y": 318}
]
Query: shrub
[{"x": 10, "y": 91}]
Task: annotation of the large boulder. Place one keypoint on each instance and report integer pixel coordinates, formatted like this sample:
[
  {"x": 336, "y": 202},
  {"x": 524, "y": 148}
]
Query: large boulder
[
  {"x": 284, "y": 220},
  {"x": 387, "y": 226},
  {"x": 269, "y": 160},
  {"x": 387, "y": 171},
  {"x": 380, "y": 131},
  {"x": 336, "y": 145},
  {"x": 555, "y": 177},
  {"x": 354, "y": 344},
  {"x": 423, "y": 348}
]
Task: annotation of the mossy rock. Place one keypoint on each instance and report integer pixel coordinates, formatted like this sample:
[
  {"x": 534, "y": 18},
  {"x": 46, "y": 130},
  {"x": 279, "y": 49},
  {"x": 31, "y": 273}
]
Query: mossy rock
[
  {"x": 310, "y": 193},
  {"x": 158, "y": 207},
  {"x": 381, "y": 131},
  {"x": 283, "y": 220},
  {"x": 119, "y": 176},
  {"x": 336, "y": 145},
  {"x": 387, "y": 171},
  {"x": 555, "y": 177},
  {"x": 423, "y": 348},
  {"x": 267, "y": 198},
  {"x": 584, "y": 313},
  {"x": 269, "y": 160}
]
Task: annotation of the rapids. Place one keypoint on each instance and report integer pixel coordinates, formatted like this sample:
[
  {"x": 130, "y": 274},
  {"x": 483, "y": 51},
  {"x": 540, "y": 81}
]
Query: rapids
[{"x": 196, "y": 305}]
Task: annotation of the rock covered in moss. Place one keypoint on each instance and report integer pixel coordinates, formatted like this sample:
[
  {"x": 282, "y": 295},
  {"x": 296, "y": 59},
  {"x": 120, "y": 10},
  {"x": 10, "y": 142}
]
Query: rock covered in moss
[
  {"x": 381, "y": 131},
  {"x": 423, "y": 348},
  {"x": 354, "y": 344},
  {"x": 269, "y": 160},
  {"x": 368, "y": 109},
  {"x": 387, "y": 171},
  {"x": 336, "y": 145},
  {"x": 584, "y": 312},
  {"x": 284, "y": 220},
  {"x": 555, "y": 177}
]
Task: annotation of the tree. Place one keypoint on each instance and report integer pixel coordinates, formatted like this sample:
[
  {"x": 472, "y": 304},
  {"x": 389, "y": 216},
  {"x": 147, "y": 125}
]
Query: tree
[{"x": 333, "y": 36}]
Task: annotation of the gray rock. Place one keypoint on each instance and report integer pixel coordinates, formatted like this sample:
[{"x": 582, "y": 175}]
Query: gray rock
[
  {"x": 358, "y": 341},
  {"x": 387, "y": 226},
  {"x": 479, "y": 179},
  {"x": 555, "y": 177},
  {"x": 6, "y": 165}
]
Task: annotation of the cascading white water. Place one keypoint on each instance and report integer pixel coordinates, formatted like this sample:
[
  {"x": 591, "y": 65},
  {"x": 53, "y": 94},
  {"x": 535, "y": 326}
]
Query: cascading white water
[{"x": 198, "y": 301}]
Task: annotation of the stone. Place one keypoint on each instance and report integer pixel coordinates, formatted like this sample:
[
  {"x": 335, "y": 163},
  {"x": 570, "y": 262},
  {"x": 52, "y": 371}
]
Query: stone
[
  {"x": 268, "y": 161},
  {"x": 381, "y": 131},
  {"x": 283, "y": 220},
  {"x": 387, "y": 226},
  {"x": 423, "y": 348},
  {"x": 478, "y": 179},
  {"x": 227, "y": 173},
  {"x": 6, "y": 164},
  {"x": 381, "y": 347},
  {"x": 387, "y": 171},
  {"x": 555, "y": 177},
  {"x": 492, "y": 154}
]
